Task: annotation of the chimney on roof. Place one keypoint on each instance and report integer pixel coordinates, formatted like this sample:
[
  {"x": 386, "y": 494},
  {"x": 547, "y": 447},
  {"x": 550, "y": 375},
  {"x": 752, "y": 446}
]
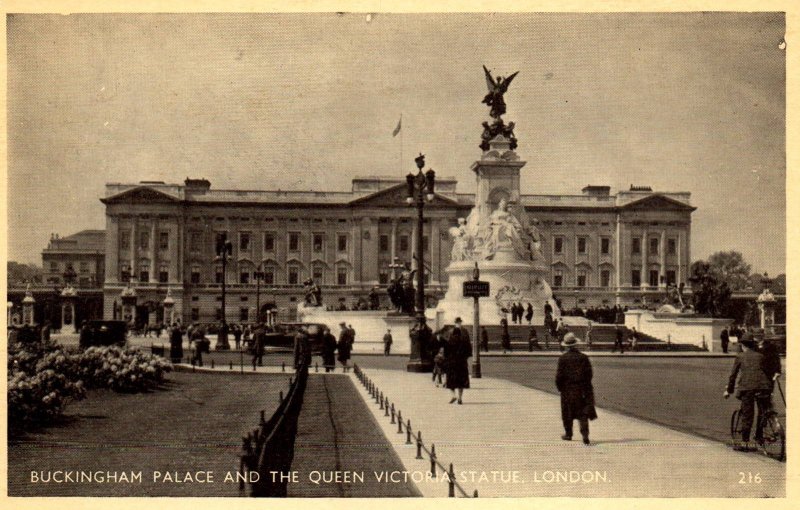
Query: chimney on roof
[
  {"x": 597, "y": 191},
  {"x": 197, "y": 186},
  {"x": 641, "y": 188}
]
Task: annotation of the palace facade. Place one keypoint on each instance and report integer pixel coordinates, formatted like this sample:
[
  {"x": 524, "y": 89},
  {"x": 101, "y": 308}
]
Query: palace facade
[{"x": 602, "y": 249}]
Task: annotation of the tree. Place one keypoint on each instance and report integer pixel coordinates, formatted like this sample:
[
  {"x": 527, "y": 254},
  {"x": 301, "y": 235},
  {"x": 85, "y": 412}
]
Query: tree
[
  {"x": 731, "y": 268},
  {"x": 20, "y": 274},
  {"x": 710, "y": 294}
]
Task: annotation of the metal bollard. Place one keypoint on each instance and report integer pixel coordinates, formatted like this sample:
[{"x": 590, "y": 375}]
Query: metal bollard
[
  {"x": 283, "y": 366},
  {"x": 212, "y": 364},
  {"x": 316, "y": 367},
  {"x": 475, "y": 494},
  {"x": 376, "y": 395},
  {"x": 231, "y": 366},
  {"x": 280, "y": 396},
  {"x": 419, "y": 445},
  {"x": 262, "y": 420},
  {"x": 433, "y": 460},
  {"x": 386, "y": 408},
  {"x": 451, "y": 491},
  {"x": 381, "y": 407},
  {"x": 408, "y": 431},
  {"x": 399, "y": 422},
  {"x": 392, "y": 422}
]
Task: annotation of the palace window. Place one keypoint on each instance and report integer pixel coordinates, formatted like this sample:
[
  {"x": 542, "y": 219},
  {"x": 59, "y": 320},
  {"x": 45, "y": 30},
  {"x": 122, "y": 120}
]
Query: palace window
[
  {"x": 383, "y": 243},
  {"x": 218, "y": 314},
  {"x": 404, "y": 243},
  {"x": 144, "y": 272},
  {"x": 124, "y": 239},
  {"x": 425, "y": 244},
  {"x": 244, "y": 242},
  {"x": 269, "y": 276},
  {"x": 341, "y": 242},
  {"x": 163, "y": 240},
  {"x": 317, "y": 273},
  {"x": 219, "y": 239},
  {"x": 654, "y": 241},
  {"x": 194, "y": 276},
  {"x": 581, "y": 280},
  {"x": 605, "y": 278},
  {"x": 671, "y": 246},
  {"x": 317, "y": 243},
  {"x": 293, "y": 275},
  {"x": 558, "y": 278},
  {"x": 144, "y": 240},
  {"x": 53, "y": 267},
  {"x": 636, "y": 245},
  {"x": 558, "y": 244},
  {"x": 653, "y": 278},
  {"x": 84, "y": 266},
  {"x": 218, "y": 275},
  {"x": 671, "y": 280},
  {"x": 636, "y": 278},
  {"x": 294, "y": 241},
  {"x": 244, "y": 314},
  {"x": 383, "y": 278},
  {"x": 269, "y": 241},
  {"x": 581, "y": 245},
  {"x": 341, "y": 276},
  {"x": 125, "y": 272},
  {"x": 195, "y": 315},
  {"x": 605, "y": 245},
  {"x": 163, "y": 274},
  {"x": 244, "y": 277}
]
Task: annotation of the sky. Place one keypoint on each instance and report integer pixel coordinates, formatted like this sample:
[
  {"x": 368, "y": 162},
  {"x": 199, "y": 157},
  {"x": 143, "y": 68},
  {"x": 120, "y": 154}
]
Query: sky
[{"x": 679, "y": 102}]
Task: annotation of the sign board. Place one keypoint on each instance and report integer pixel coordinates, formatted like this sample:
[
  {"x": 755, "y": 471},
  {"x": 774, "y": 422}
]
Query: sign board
[{"x": 475, "y": 289}]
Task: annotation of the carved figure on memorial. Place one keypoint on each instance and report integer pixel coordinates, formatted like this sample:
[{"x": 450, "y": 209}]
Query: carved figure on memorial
[
  {"x": 497, "y": 88},
  {"x": 460, "y": 250},
  {"x": 313, "y": 293}
]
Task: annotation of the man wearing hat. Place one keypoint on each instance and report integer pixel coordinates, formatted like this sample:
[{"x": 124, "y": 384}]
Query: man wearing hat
[
  {"x": 457, "y": 351},
  {"x": 754, "y": 388},
  {"x": 574, "y": 382}
]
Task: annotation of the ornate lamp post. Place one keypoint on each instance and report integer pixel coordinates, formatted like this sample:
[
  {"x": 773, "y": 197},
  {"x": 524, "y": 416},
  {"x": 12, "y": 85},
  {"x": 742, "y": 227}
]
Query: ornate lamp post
[
  {"x": 259, "y": 276},
  {"x": 420, "y": 189},
  {"x": 224, "y": 251},
  {"x": 766, "y": 305}
]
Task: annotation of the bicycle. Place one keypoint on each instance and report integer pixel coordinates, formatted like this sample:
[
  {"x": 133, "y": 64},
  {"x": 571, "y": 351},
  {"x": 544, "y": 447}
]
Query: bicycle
[{"x": 773, "y": 442}]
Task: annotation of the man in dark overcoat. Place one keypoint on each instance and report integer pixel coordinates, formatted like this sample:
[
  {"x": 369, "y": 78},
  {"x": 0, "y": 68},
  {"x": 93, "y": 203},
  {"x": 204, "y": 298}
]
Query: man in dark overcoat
[
  {"x": 329, "y": 350},
  {"x": 724, "y": 338},
  {"x": 259, "y": 341},
  {"x": 457, "y": 352},
  {"x": 176, "y": 344},
  {"x": 574, "y": 382},
  {"x": 753, "y": 388},
  {"x": 302, "y": 348}
]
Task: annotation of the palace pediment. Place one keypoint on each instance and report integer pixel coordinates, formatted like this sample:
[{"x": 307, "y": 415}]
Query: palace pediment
[
  {"x": 396, "y": 197},
  {"x": 657, "y": 203},
  {"x": 141, "y": 195}
]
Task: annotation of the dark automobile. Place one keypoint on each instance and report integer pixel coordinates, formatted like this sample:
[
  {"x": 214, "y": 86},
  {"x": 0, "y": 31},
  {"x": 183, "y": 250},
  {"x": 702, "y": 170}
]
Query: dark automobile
[
  {"x": 285, "y": 332},
  {"x": 107, "y": 333}
]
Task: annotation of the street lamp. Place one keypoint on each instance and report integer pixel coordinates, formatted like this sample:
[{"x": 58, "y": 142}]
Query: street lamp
[
  {"x": 420, "y": 189},
  {"x": 258, "y": 275},
  {"x": 224, "y": 251}
]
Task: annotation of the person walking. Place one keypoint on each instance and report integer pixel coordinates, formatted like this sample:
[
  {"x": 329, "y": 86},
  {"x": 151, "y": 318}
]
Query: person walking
[
  {"x": 618, "y": 335},
  {"x": 574, "y": 382},
  {"x": 344, "y": 346},
  {"x": 561, "y": 331},
  {"x": 458, "y": 351},
  {"x": 328, "y": 350},
  {"x": 633, "y": 339},
  {"x": 484, "y": 339},
  {"x": 533, "y": 340},
  {"x": 438, "y": 367},
  {"x": 529, "y": 314},
  {"x": 387, "y": 342},
  {"x": 175, "y": 344},
  {"x": 302, "y": 348},
  {"x": 259, "y": 340},
  {"x": 237, "y": 336},
  {"x": 724, "y": 338},
  {"x": 753, "y": 389},
  {"x": 505, "y": 338}
]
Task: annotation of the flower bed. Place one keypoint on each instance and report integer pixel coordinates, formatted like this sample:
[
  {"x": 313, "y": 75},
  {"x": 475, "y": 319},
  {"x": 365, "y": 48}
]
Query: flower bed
[{"x": 42, "y": 379}]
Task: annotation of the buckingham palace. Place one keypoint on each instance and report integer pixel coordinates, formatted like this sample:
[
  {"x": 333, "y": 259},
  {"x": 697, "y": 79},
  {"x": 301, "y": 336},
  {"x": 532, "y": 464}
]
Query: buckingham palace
[{"x": 601, "y": 248}]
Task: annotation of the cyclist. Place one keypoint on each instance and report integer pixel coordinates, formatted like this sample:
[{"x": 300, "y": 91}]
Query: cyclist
[{"x": 754, "y": 388}]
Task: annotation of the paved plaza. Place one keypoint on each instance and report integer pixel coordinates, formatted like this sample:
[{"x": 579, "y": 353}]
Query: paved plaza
[{"x": 505, "y": 427}]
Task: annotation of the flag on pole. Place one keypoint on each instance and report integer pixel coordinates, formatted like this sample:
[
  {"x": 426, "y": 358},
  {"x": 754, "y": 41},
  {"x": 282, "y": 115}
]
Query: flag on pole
[{"x": 397, "y": 129}]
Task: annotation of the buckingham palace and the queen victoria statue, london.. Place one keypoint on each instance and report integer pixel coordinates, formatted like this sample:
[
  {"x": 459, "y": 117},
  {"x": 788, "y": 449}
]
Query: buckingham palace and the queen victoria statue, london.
[{"x": 593, "y": 249}]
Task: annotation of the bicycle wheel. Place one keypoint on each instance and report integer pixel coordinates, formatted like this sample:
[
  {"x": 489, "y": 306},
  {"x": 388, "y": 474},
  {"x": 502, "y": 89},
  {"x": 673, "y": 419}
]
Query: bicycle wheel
[
  {"x": 774, "y": 443},
  {"x": 736, "y": 431}
]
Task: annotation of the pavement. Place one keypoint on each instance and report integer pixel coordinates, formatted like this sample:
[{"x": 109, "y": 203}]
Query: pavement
[{"x": 505, "y": 442}]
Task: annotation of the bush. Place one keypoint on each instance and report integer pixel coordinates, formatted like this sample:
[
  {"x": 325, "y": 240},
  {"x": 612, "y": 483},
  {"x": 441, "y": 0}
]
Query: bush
[{"x": 42, "y": 379}]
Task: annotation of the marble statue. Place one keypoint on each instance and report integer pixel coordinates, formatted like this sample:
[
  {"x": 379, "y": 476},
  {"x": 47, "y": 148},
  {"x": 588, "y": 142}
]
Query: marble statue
[{"x": 497, "y": 88}]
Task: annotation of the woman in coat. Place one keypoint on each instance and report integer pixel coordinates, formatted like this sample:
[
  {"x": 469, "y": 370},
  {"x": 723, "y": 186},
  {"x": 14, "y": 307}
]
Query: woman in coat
[
  {"x": 457, "y": 352},
  {"x": 344, "y": 347}
]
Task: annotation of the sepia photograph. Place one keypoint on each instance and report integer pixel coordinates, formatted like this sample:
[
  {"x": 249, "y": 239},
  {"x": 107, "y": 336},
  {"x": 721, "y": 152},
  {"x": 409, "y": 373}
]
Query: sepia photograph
[{"x": 396, "y": 254}]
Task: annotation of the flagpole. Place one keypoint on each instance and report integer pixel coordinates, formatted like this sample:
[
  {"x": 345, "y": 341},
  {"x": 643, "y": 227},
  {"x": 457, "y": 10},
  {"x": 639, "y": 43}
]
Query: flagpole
[{"x": 401, "y": 143}]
